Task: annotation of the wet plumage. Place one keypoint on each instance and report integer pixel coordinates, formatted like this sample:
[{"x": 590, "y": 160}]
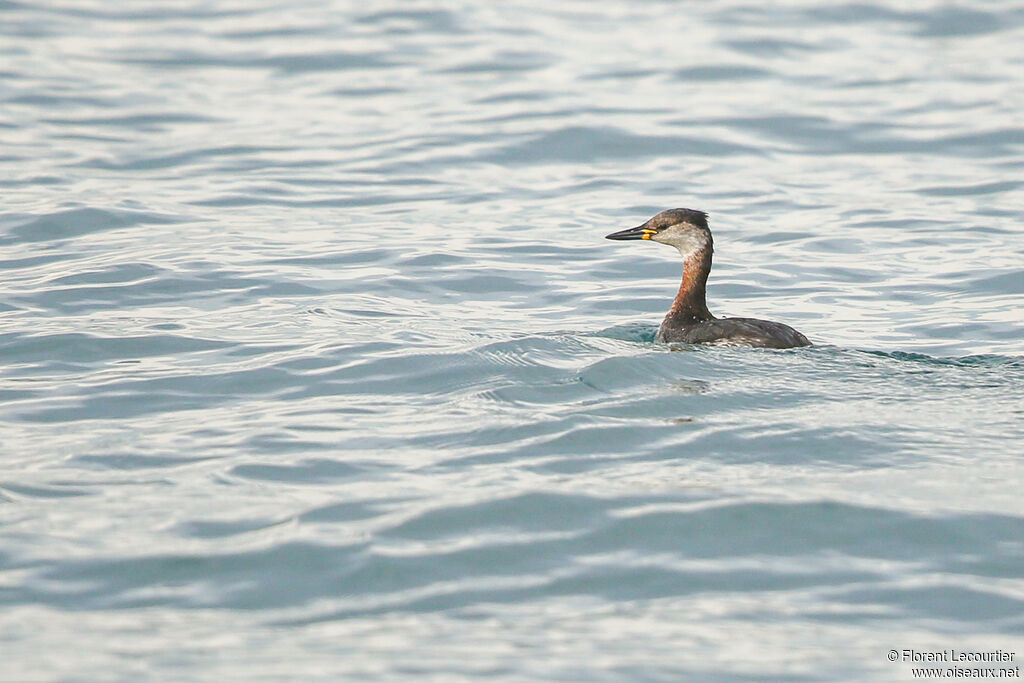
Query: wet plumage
[{"x": 734, "y": 332}]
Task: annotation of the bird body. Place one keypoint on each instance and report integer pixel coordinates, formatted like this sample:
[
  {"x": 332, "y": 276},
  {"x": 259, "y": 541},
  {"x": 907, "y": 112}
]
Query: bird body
[{"x": 733, "y": 332}]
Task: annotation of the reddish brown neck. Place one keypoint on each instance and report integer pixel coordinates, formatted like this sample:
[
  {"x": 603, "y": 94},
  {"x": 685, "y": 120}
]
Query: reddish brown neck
[{"x": 690, "y": 305}]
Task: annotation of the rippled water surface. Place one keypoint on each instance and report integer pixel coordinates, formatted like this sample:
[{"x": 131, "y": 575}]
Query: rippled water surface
[{"x": 314, "y": 363}]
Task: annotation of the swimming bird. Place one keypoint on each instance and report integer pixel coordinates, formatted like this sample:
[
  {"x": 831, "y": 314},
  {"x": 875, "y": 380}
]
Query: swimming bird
[{"x": 689, "y": 319}]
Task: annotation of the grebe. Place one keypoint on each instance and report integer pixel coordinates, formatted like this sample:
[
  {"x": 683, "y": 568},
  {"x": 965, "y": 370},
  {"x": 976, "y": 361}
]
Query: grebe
[{"x": 689, "y": 319}]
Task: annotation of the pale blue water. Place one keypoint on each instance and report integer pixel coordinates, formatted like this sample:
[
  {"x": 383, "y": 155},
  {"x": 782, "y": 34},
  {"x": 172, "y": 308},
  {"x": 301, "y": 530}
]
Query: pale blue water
[{"x": 315, "y": 365}]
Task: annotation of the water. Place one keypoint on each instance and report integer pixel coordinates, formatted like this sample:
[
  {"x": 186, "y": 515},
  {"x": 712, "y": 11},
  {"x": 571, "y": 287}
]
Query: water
[{"x": 314, "y": 362}]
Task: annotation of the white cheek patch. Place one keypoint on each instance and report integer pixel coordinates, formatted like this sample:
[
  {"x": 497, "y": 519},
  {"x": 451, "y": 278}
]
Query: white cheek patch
[{"x": 687, "y": 240}]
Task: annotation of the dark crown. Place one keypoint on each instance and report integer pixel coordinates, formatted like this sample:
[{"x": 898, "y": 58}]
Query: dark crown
[{"x": 673, "y": 216}]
